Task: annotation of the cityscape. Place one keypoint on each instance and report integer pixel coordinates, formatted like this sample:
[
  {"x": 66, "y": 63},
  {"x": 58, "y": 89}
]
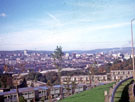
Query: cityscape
[
  {"x": 67, "y": 51},
  {"x": 42, "y": 60}
]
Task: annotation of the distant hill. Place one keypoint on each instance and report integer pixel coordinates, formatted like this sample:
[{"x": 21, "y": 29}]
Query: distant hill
[{"x": 105, "y": 50}]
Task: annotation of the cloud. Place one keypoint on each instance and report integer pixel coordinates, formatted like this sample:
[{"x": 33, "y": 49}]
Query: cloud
[
  {"x": 56, "y": 21},
  {"x": 110, "y": 26},
  {"x": 36, "y": 39},
  {"x": 71, "y": 35},
  {"x": 3, "y": 15},
  {"x": 102, "y": 27},
  {"x": 87, "y": 4},
  {"x": 53, "y": 17}
]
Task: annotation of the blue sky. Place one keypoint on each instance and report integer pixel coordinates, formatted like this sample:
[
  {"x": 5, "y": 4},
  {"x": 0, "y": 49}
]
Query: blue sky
[{"x": 73, "y": 24}]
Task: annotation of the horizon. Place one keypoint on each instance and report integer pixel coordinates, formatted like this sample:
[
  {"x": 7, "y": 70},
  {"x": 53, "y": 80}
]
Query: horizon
[
  {"x": 70, "y": 50},
  {"x": 74, "y": 25}
]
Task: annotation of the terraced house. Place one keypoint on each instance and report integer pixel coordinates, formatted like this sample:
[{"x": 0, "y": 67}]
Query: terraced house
[
  {"x": 114, "y": 75},
  {"x": 37, "y": 94}
]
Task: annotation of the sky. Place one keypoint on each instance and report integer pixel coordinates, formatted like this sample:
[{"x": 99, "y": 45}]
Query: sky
[{"x": 72, "y": 24}]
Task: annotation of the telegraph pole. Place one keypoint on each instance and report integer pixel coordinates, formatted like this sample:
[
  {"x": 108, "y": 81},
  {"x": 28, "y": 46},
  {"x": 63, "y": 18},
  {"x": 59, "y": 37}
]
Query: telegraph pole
[{"x": 132, "y": 39}]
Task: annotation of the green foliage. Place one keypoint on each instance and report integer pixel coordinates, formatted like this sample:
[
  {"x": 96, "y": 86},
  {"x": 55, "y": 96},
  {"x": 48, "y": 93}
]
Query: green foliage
[
  {"x": 53, "y": 77},
  {"x": 21, "y": 99},
  {"x": 125, "y": 65},
  {"x": 57, "y": 55},
  {"x": 36, "y": 76},
  {"x": 117, "y": 65},
  {"x": 93, "y": 95}
]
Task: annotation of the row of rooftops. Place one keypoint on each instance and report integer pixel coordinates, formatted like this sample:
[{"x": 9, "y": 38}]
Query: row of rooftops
[{"x": 30, "y": 89}]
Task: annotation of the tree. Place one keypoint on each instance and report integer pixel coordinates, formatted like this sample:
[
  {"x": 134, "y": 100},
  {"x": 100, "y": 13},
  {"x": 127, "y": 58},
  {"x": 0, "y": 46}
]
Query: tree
[
  {"x": 22, "y": 66},
  {"x": 73, "y": 86},
  {"x": 67, "y": 85},
  {"x": 35, "y": 76},
  {"x": 91, "y": 72},
  {"x": 57, "y": 56},
  {"x": 21, "y": 98},
  {"x": 17, "y": 90},
  {"x": 49, "y": 85},
  {"x": 53, "y": 77},
  {"x": 6, "y": 68},
  {"x": 23, "y": 84}
]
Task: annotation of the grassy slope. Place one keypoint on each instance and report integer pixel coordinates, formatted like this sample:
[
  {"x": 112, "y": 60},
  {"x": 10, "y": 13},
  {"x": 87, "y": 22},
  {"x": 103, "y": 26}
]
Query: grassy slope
[
  {"x": 93, "y": 95},
  {"x": 120, "y": 91}
]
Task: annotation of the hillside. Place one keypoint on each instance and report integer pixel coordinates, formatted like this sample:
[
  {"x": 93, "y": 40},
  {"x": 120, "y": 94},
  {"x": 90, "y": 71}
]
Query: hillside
[{"x": 93, "y": 95}]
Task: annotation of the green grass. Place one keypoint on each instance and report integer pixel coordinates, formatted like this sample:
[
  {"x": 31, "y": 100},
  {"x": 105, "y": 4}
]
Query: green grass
[
  {"x": 122, "y": 92},
  {"x": 93, "y": 95}
]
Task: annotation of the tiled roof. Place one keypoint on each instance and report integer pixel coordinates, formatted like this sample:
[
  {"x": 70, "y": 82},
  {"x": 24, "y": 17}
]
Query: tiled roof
[{"x": 27, "y": 89}]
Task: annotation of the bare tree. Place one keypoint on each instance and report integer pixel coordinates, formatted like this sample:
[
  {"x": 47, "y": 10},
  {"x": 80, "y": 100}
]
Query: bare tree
[
  {"x": 17, "y": 90},
  {"x": 67, "y": 85},
  {"x": 49, "y": 85},
  {"x": 91, "y": 73},
  {"x": 73, "y": 86},
  {"x": 16, "y": 81},
  {"x": 6, "y": 69}
]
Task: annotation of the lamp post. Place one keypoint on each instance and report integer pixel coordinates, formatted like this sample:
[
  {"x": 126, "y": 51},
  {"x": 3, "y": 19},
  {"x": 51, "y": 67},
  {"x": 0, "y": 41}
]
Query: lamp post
[{"x": 132, "y": 39}]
